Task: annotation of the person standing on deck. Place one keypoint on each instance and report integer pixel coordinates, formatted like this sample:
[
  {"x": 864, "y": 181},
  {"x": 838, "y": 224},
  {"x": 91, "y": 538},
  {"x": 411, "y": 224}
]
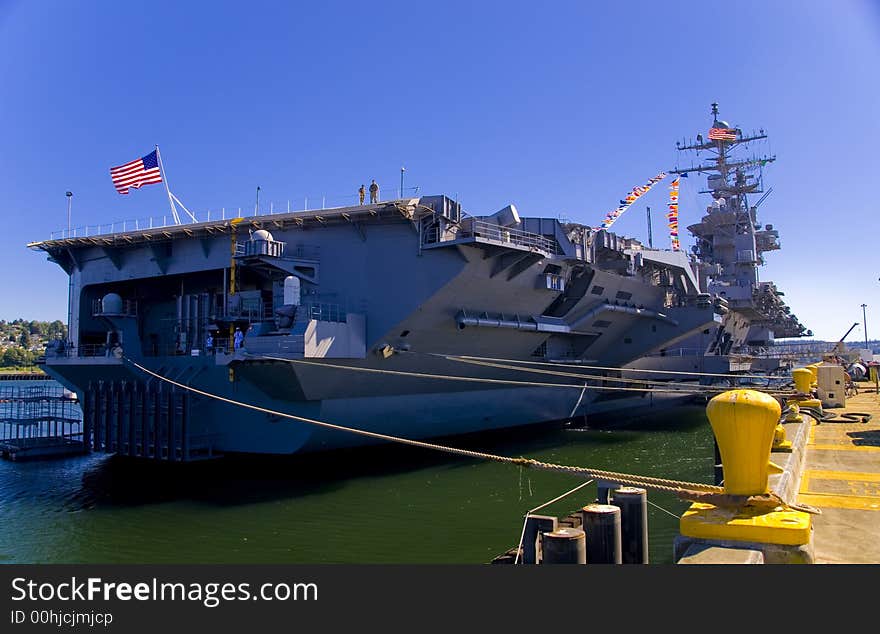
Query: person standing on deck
[
  {"x": 374, "y": 192},
  {"x": 209, "y": 343},
  {"x": 361, "y": 193},
  {"x": 237, "y": 338}
]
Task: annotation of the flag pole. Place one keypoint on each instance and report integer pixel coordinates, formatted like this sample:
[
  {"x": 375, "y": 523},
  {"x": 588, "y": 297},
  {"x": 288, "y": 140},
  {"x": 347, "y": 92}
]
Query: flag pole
[
  {"x": 167, "y": 190},
  {"x": 177, "y": 200}
]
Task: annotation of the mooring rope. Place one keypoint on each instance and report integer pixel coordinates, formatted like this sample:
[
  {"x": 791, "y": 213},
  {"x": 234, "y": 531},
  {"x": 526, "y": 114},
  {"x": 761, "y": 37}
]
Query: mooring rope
[
  {"x": 685, "y": 389},
  {"x": 597, "y": 377},
  {"x": 660, "y": 484},
  {"x": 604, "y": 367}
]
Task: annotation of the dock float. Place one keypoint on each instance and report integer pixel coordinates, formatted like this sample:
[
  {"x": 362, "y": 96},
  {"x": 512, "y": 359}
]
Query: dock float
[
  {"x": 40, "y": 421},
  {"x": 24, "y": 376}
]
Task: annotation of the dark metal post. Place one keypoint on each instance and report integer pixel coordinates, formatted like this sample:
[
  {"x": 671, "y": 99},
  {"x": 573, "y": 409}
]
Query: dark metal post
[
  {"x": 69, "y": 199},
  {"x": 603, "y": 490},
  {"x": 650, "y": 236},
  {"x": 601, "y": 523},
  {"x": 865, "y": 322},
  {"x": 633, "y": 503},
  {"x": 535, "y": 525}
]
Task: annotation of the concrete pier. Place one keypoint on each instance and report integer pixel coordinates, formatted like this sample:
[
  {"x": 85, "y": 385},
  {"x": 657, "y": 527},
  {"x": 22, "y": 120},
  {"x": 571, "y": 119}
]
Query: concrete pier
[
  {"x": 832, "y": 465},
  {"x": 829, "y": 463},
  {"x": 841, "y": 477}
]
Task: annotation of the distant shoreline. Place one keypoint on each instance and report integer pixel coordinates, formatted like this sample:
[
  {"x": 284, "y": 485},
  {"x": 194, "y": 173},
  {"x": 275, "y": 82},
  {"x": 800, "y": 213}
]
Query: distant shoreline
[{"x": 22, "y": 374}]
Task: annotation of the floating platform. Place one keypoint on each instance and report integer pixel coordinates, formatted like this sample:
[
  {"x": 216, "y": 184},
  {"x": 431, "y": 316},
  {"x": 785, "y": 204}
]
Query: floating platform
[
  {"x": 42, "y": 421},
  {"x": 45, "y": 448},
  {"x": 24, "y": 376}
]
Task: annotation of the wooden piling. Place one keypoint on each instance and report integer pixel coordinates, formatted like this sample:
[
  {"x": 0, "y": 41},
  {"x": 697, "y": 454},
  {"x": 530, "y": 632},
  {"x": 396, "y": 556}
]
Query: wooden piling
[
  {"x": 633, "y": 503},
  {"x": 601, "y": 523},
  {"x": 564, "y": 546}
]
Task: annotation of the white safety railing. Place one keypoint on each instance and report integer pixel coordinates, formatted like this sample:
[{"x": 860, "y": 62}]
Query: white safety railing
[
  {"x": 471, "y": 227},
  {"x": 270, "y": 208}
]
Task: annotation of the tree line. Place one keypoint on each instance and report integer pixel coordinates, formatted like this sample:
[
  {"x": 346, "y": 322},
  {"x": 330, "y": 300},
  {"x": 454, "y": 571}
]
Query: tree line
[{"x": 23, "y": 341}]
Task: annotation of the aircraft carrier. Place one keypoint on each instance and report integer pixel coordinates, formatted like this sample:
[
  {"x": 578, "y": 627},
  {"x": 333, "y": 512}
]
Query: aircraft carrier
[
  {"x": 730, "y": 247},
  {"x": 384, "y": 317}
]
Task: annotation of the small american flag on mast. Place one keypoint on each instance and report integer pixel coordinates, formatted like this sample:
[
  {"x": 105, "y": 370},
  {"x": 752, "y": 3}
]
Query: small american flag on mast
[
  {"x": 722, "y": 134},
  {"x": 143, "y": 171}
]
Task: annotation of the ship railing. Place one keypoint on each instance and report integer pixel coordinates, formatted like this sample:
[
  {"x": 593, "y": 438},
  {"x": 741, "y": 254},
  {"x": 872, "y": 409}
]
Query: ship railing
[
  {"x": 286, "y": 344},
  {"x": 193, "y": 348},
  {"x": 323, "y": 311},
  {"x": 82, "y": 350},
  {"x": 474, "y": 228},
  {"x": 491, "y": 231},
  {"x": 251, "y": 312},
  {"x": 252, "y": 248},
  {"x": 282, "y": 344},
  {"x": 277, "y": 249},
  {"x": 270, "y": 208}
]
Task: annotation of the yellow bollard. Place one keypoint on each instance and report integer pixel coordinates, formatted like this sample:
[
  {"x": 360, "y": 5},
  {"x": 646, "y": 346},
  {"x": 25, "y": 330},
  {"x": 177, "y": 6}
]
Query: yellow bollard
[
  {"x": 814, "y": 371},
  {"x": 803, "y": 378},
  {"x": 744, "y": 423},
  {"x": 780, "y": 442},
  {"x": 794, "y": 413},
  {"x": 745, "y": 427}
]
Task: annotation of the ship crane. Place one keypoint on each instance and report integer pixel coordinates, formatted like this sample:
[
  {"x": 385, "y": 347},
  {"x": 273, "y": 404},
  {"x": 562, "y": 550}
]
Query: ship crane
[{"x": 839, "y": 347}]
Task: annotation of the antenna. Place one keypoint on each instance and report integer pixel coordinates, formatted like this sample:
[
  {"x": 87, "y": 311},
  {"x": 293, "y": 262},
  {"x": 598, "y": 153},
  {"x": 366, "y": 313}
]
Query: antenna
[{"x": 763, "y": 198}]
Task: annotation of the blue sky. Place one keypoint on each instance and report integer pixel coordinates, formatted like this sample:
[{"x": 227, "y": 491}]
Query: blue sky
[{"x": 560, "y": 108}]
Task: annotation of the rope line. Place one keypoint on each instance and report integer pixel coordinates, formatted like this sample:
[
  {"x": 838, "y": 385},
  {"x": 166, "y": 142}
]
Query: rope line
[
  {"x": 473, "y": 379},
  {"x": 657, "y": 506},
  {"x": 599, "y": 377},
  {"x": 660, "y": 484},
  {"x": 538, "y": 508},
  {"x": 604, "y": 367}
]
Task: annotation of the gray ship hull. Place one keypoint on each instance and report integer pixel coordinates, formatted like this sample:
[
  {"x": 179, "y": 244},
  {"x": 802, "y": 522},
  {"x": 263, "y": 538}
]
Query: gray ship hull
[{"x": 357, "y": 317}]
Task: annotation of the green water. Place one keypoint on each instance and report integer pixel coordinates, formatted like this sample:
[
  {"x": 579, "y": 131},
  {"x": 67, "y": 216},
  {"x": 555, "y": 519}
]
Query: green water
[{"x": 375, "y": 505}]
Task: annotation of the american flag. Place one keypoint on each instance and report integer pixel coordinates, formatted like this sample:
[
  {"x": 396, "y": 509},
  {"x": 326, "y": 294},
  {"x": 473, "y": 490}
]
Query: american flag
[
  {"x": 143, "y": 171},
  {"x": 722, "y": 134}
]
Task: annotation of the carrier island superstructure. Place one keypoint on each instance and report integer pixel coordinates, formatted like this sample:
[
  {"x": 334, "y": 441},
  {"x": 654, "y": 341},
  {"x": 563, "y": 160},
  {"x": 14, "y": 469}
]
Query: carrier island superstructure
[
  {"x": 353, "y": 316},
  {"x": 730, "y": 247}
]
